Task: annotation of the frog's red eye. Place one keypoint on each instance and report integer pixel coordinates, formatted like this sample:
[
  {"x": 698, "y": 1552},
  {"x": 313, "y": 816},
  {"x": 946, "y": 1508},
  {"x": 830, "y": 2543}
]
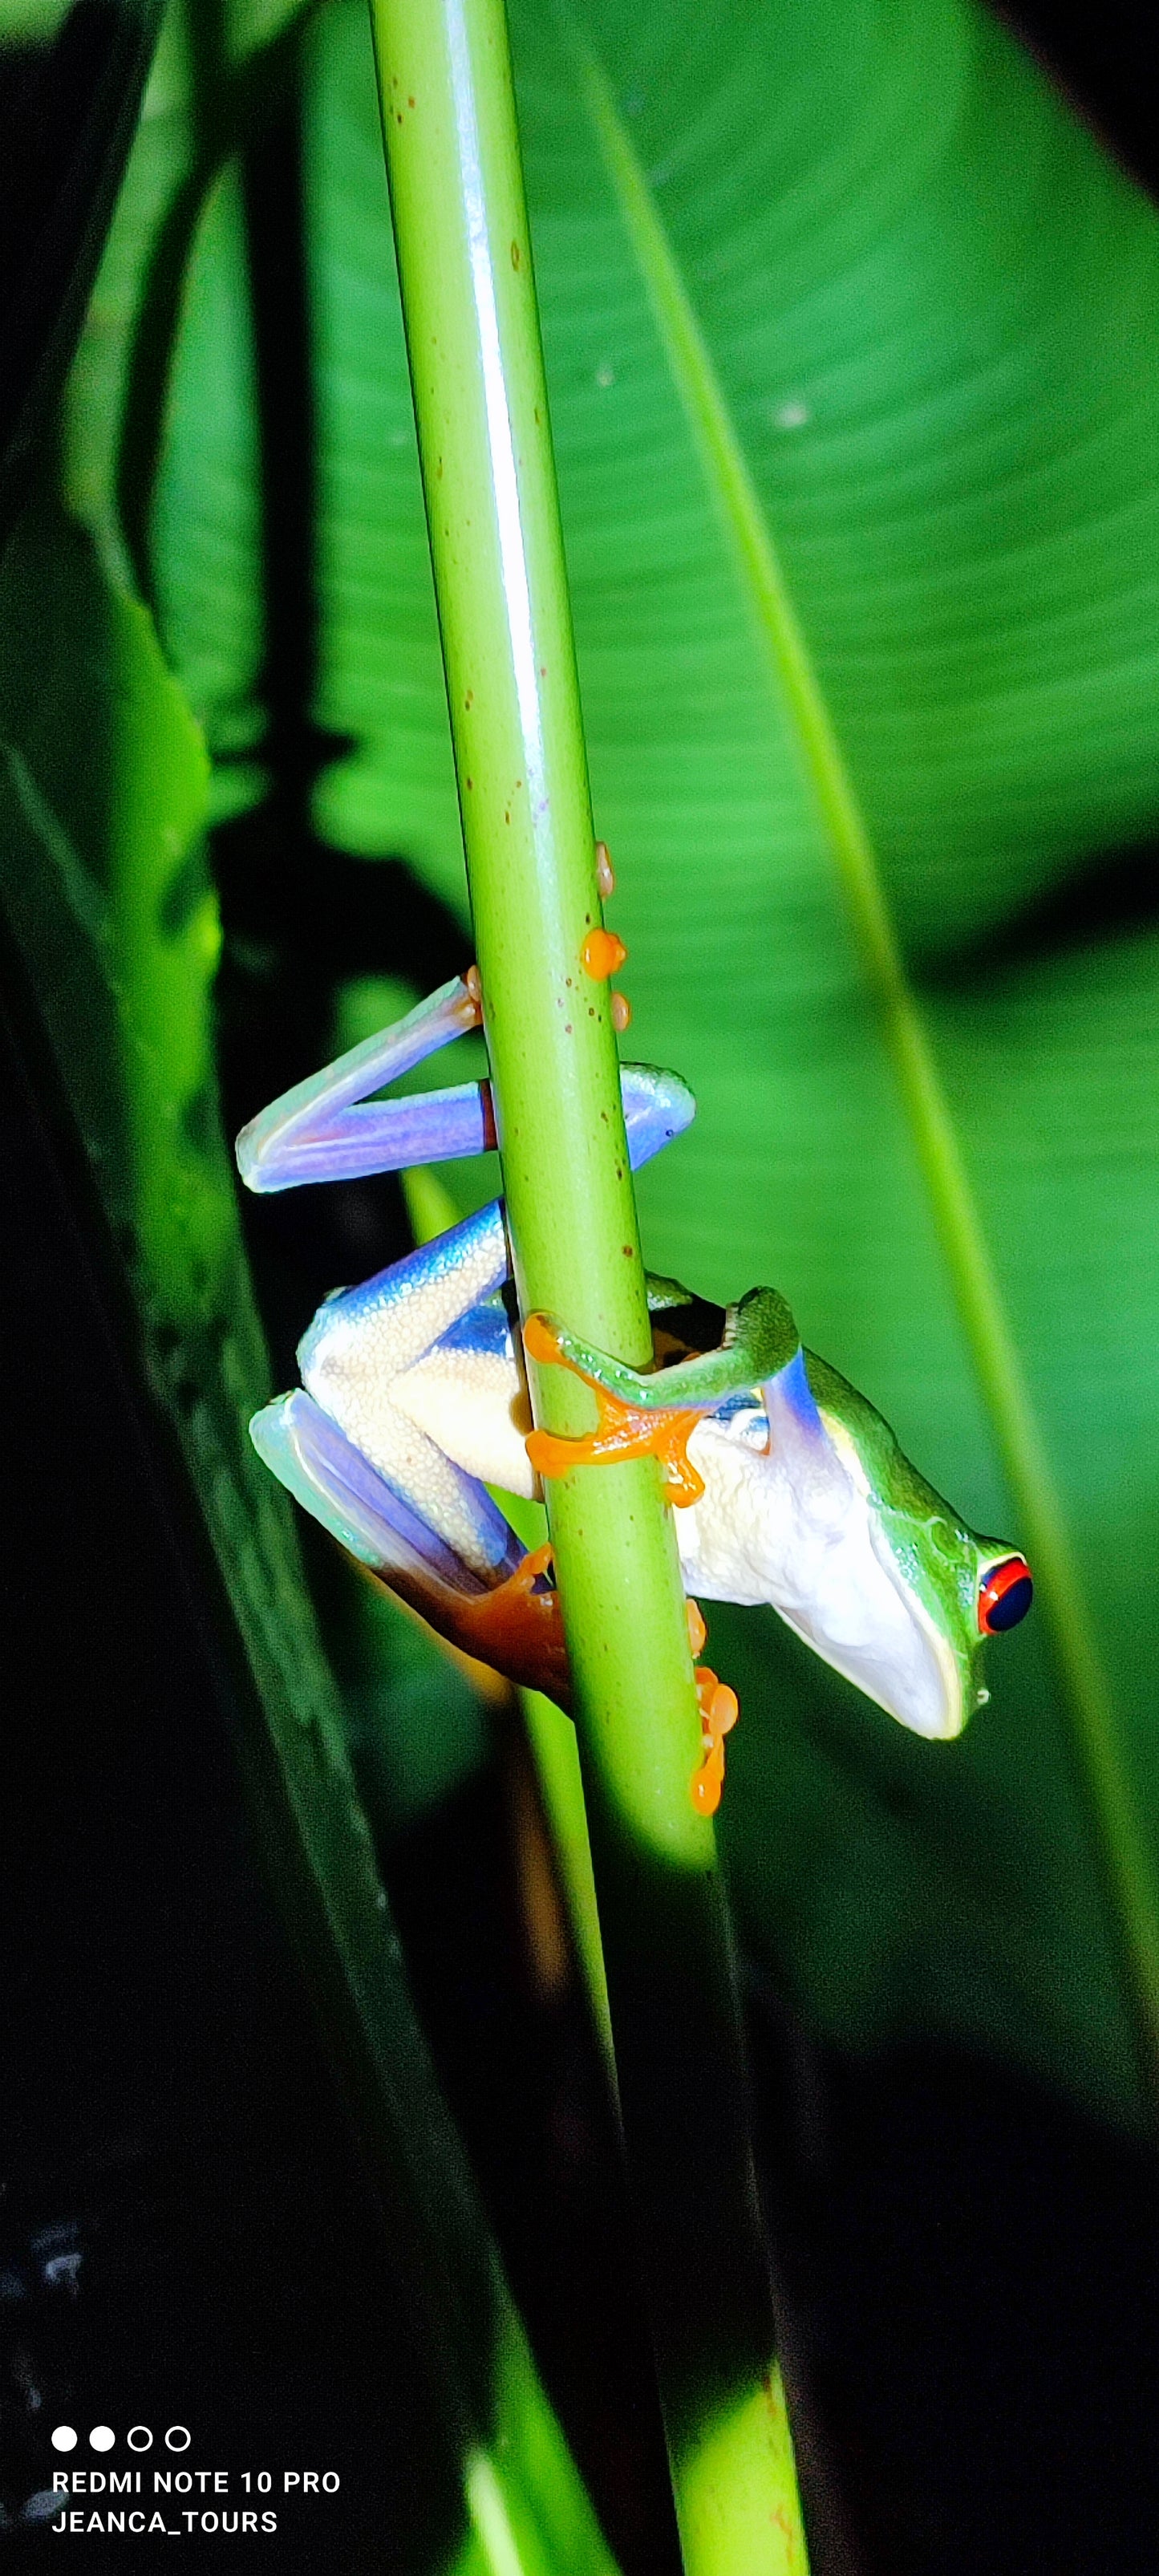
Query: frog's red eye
[{"x": 1005, "y": 1596}]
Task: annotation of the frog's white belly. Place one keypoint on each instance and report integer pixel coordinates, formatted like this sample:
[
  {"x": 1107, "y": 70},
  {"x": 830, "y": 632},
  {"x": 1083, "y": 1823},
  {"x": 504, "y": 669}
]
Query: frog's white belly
[
  {"x": 790, "y": 1523},
  {"x": 792, "y": 1526}
]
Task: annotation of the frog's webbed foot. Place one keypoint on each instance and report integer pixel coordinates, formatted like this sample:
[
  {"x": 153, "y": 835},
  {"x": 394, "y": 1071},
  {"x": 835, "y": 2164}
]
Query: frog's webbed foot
[
  {"x": 656, "y": 1414},
  {"x": 624, "y": 1429},
  {"x": 516, "y": 1627},
  {"x": 509, "y": 1619}
]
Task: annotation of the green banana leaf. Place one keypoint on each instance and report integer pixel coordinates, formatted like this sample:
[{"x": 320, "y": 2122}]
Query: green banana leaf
[
  {"x": 851, "y": 334},
  {"x": 103, "y": 795}
]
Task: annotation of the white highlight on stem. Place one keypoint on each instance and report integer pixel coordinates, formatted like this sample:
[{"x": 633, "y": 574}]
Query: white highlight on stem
[{"x": 502, "y": 445}]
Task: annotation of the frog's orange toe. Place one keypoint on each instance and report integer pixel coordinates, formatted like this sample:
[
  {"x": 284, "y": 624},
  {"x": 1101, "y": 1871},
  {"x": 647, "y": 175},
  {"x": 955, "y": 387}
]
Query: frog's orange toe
[
  {"x": 541, "y": 1343},
  {"x": 552, "y": 1455},
  {"x": 603, "y": 954},
  {"x": 719, "y": 1711}
]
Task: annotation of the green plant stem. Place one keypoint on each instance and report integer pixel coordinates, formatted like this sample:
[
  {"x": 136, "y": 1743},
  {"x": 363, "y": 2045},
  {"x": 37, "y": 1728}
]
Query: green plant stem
[
  {"x": 1125, "y": 1858},
  {"x": 553, "y": 1747},
  {"x": 488, "y": 475}
]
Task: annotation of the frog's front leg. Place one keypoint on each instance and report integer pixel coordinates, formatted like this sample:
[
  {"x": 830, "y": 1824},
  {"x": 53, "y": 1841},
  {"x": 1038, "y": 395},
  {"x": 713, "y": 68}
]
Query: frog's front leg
[{"x": 656, "y": 1414}]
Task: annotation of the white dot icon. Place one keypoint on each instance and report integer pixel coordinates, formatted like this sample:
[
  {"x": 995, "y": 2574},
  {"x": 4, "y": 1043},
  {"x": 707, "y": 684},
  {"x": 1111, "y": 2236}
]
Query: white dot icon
[
  {"x": 63, "y": 2438},
  {"x": 102, "y": 2437}
]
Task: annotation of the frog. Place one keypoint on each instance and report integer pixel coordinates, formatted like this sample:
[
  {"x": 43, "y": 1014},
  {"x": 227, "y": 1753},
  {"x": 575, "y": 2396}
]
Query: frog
[{"x": 789, "y": 1488}]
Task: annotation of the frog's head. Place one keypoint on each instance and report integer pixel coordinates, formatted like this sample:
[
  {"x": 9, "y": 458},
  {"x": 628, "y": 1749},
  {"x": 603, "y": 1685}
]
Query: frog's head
[
  {"x": 918, "y": 1591},
  {"x": 956, "y": 1589}
]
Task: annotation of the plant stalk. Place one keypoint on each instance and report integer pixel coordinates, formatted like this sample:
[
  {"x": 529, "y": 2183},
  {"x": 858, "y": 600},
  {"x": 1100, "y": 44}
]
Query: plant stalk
[{"x": 476, "y": 366}]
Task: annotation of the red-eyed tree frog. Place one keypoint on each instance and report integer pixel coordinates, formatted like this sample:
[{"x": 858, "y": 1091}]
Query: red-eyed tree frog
[{"x": 793, "y": 1490}]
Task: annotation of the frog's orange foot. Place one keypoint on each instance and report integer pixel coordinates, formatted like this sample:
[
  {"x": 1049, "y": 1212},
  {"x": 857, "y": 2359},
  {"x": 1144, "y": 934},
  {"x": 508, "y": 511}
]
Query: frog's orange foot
[
  {"x": 719, "y": 1711},
  {"x": 517, "y": 1628},
  {"x": 622, "y": 1431},
  {"x": 539, "y": 1563}
]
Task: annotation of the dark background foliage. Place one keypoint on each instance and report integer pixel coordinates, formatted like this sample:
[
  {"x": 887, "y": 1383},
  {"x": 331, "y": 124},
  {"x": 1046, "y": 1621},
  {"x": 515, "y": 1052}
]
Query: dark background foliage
[{"x": 969, "y": 2267}]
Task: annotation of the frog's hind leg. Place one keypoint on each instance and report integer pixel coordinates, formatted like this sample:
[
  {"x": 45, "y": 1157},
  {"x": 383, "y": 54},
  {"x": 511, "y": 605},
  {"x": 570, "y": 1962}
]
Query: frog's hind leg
[
  {"x": 509, "y": 1619},
  {"x": 354, "y": 1435},
  {"x": 329, "y": 1128},
  {"x": 330, "y": 1477},
  {"x": 355, "y": 1360}
]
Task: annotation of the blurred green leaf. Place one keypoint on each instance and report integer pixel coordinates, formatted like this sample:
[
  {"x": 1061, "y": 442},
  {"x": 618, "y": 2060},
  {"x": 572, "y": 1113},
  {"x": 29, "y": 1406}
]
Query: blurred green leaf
[
  {"x": 219, "y": 72},
  {"x": 103, "y": 797},
  {"x": 71, "y": 84},
  {"x": 929, "y": 302}
]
